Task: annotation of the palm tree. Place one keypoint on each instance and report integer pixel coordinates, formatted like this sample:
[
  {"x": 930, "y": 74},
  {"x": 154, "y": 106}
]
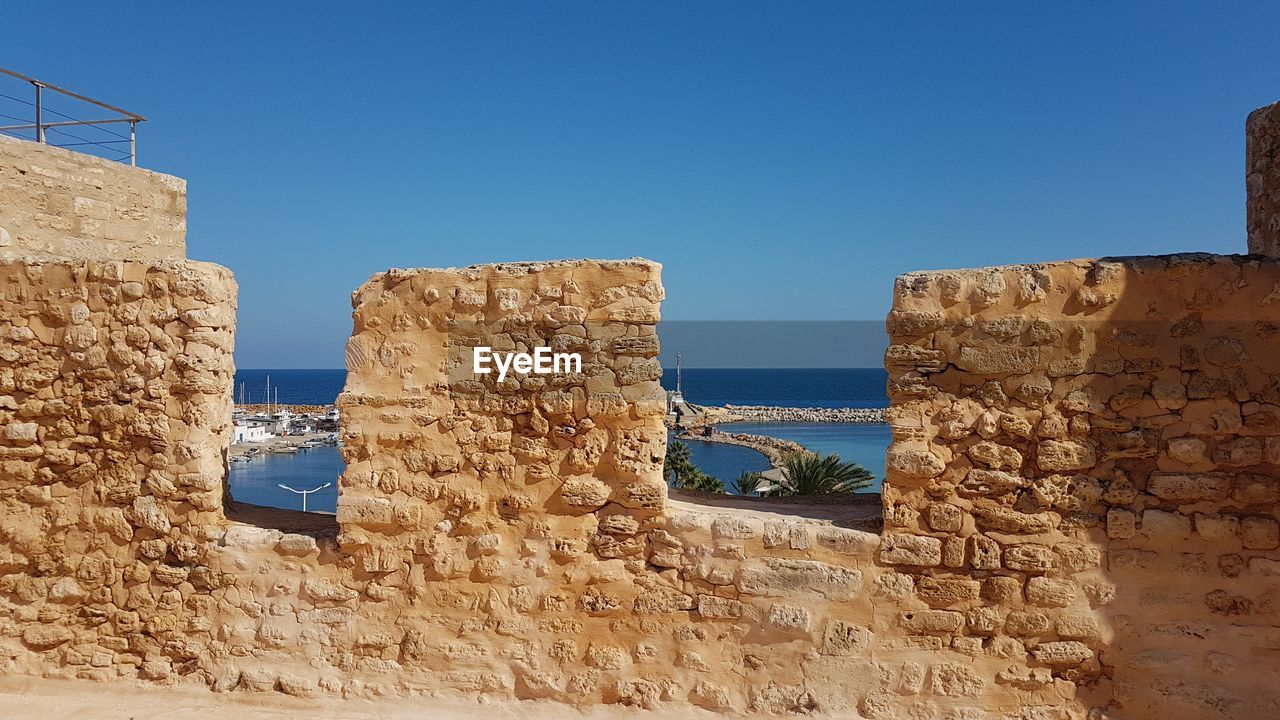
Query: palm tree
[
  {"x": 677, "y": 463},
  {"x": 698, "y": 480},
  {"x": 816, "y": 474},
  {"x": 748, "y": 483},
  {"x": 679, "y": 470}
]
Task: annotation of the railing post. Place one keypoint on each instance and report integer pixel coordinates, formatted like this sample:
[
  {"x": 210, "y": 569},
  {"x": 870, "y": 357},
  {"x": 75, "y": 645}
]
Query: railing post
[
  {"x": 133, "y": 144},
  {"x": 39, "y": 127}
]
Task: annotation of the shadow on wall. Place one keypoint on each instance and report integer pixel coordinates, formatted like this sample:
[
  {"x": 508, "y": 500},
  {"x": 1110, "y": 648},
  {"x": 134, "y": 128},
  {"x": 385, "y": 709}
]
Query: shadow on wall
[{"x": 1092, "y": 442}]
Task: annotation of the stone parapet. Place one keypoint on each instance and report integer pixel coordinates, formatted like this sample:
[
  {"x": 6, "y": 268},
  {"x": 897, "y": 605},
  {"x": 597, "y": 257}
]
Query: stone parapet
[{"x": 59, "y": 203}]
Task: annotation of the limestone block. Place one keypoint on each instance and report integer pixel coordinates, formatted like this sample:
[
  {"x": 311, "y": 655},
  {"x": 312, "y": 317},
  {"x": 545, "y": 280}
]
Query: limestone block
[
  {"x": 914, "y": 462},
  {"x": 249, "y": 537},
  {"x": 1214, "y": 527},
  {"x": 842, "y": 638},
  {"x": 983, "y": 553},
  {"x": 790, "y": 618},
  {"x": 955, "y": 680},
  {"x": 778, "y": 577},
  {"x": 585, "y": 492},
  {"x": 21, "y": 432},
  {"x": 943, "y": 517},
  {"x": 368, "y": 511},
  {"x": 711, "y": 606},
  {"x": 1260, "y": 533},
  {"x": 1027, "y": 624},
  {"x": 1162, "y": 526},
  {"x": 905, "y": 549},
  {"x": 1050, "y": 592},
  {"x": 990, "y": 483},
  {"x": 1030, "y": 558},
  {"x": 149, "y": 513},
  {"x": 953, "y": 552},
  {"x": 1001, "y": 519},
  {"x": 320, "y": 590},
  {"x": 1121, "y": 524},
  {"x": 1241, "y": 452},
  {"x": 945, "y": 592},
  {"x": 1065, "y": 455},
  {"x": 294, "y": 544},
  {"x": 1074, "y": 626},
  {"x": 984, "y": 620},
  {"x": 931, "y": 622},
  {"x": 1062, "y": 653},
  {"x": 1188, "y": 450},
  {"x": 995, "y": 456},
  {"x": 1189, "y": 488},
  {"x": 1002, "y": 589},
  {"x": 45, "y": 636},
  {"x": 998, "y": 360},
  {"x": 912, "y": 324}
]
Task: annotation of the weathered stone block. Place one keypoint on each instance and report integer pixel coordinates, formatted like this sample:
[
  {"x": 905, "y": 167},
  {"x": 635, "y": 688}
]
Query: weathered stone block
[
  {"x": 1260, "y": 533},
  {"x": 905, "y": 549},
  {"x": 1065, "y": 455},
  {"x": 1062, "y": 653},
  {"x": 1214, "y": 527},
  {"x": 1030, "y": 558},
  {"x": 1050, "y": 592},
  {"x": 931, "y": 622},
  {"x": 915, "y": 462},
  {"x": 844, "y": 638},
  {"x": 1189, "y": 488},
  {"x": 944, "y": 592},
  {"x": 1162, "y": 526},
  {"x": 780, "y": 578}
]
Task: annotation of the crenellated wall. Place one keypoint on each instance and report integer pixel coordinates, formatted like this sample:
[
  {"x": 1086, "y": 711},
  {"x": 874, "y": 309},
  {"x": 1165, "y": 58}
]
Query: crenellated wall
[{"x": 1080, "y": 518}]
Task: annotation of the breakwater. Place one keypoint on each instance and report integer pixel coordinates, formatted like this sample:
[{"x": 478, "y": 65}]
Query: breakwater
[
  {"x": 767, "y": 413},
  {"x": 772, "y": 448}
]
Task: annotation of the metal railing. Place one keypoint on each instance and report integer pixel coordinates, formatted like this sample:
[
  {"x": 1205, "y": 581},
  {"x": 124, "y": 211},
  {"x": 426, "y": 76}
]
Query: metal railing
[{"x": 42, "y": 126}]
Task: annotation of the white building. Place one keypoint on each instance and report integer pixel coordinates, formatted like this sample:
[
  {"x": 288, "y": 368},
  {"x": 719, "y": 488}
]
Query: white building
[{"x": 245, "y": 433}]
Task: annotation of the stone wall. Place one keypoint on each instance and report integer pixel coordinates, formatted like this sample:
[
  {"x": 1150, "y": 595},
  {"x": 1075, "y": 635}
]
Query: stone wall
[
  {"x": 558, "y": 457},
  {"x": 115, "y": 412},
  {"x": 1084, "y": 478},
  {"x": 517, "y": 536},
  {"x": 1080, "y": 514},
  {"x": 59, "y": 203}
]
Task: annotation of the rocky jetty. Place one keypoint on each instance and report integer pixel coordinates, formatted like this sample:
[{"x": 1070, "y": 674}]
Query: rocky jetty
[
  {"x": 766, "y": 413},
  {"x": 772, "y": 448}
]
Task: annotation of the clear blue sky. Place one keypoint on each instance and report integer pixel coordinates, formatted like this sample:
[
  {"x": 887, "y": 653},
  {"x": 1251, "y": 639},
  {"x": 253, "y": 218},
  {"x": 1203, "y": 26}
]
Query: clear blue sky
[{"x": 783, "y": 160}]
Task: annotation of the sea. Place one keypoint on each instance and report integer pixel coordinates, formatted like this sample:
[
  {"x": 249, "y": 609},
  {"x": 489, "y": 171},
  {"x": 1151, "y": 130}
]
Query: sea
[{"x": 258, "y": 480}]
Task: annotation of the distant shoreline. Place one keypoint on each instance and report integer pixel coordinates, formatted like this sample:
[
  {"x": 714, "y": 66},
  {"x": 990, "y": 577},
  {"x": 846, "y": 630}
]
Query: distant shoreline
[{"x": 726, "y": 414}]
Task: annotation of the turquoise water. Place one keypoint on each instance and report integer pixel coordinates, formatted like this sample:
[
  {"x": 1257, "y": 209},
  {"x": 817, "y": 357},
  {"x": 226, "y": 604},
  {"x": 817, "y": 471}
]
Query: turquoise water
[
  {"x": 862, "y": 443},
  {"x": 725, "y": 461},
  {"x": 257, "y": 481}
]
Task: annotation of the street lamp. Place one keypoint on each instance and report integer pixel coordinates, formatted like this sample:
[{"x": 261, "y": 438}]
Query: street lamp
[{"x": 304, "y": 493}]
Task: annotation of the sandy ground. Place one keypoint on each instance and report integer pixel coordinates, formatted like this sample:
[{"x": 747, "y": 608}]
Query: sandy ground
[
  {"x": 857, "y": 511},
  {"x": 23, "y": 697}
]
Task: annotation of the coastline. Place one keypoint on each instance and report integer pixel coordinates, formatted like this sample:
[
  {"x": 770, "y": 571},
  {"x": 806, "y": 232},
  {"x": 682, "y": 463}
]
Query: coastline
[
  {"x": 723, "y": 414},
  {"x": 772, "y": 448},
  {"x": 701, "y": 423}
]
